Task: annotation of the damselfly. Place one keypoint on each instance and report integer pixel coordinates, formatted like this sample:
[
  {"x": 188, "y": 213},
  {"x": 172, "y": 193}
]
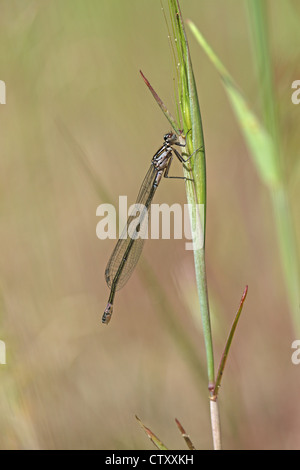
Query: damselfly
[{"x": 129, "y": 247}]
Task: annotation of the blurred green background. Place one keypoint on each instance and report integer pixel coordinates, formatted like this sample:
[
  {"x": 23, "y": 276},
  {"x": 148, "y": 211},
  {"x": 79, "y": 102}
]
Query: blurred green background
[{"x": 69, "y": 381}]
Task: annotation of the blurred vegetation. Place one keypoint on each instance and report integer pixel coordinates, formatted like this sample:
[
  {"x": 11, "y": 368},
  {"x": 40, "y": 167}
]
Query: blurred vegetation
[{"x": 69, "y": 382}]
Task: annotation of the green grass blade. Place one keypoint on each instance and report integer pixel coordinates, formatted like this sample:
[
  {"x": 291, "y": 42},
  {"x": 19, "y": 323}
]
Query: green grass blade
[
  {"x": 264, "y": 146},
  {"x": 153, "y": 438},
  {"x": 228, "y": 344},
  {"x": 195, "y": 173},
  {"x": 196, "y": 190},
  {"x": 185, "y": 436},
  {"x": 259, "y": 141}
]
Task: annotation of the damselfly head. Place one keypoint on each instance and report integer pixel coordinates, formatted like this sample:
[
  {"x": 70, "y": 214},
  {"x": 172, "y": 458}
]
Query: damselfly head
[{"x": 170, "y": 138}]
